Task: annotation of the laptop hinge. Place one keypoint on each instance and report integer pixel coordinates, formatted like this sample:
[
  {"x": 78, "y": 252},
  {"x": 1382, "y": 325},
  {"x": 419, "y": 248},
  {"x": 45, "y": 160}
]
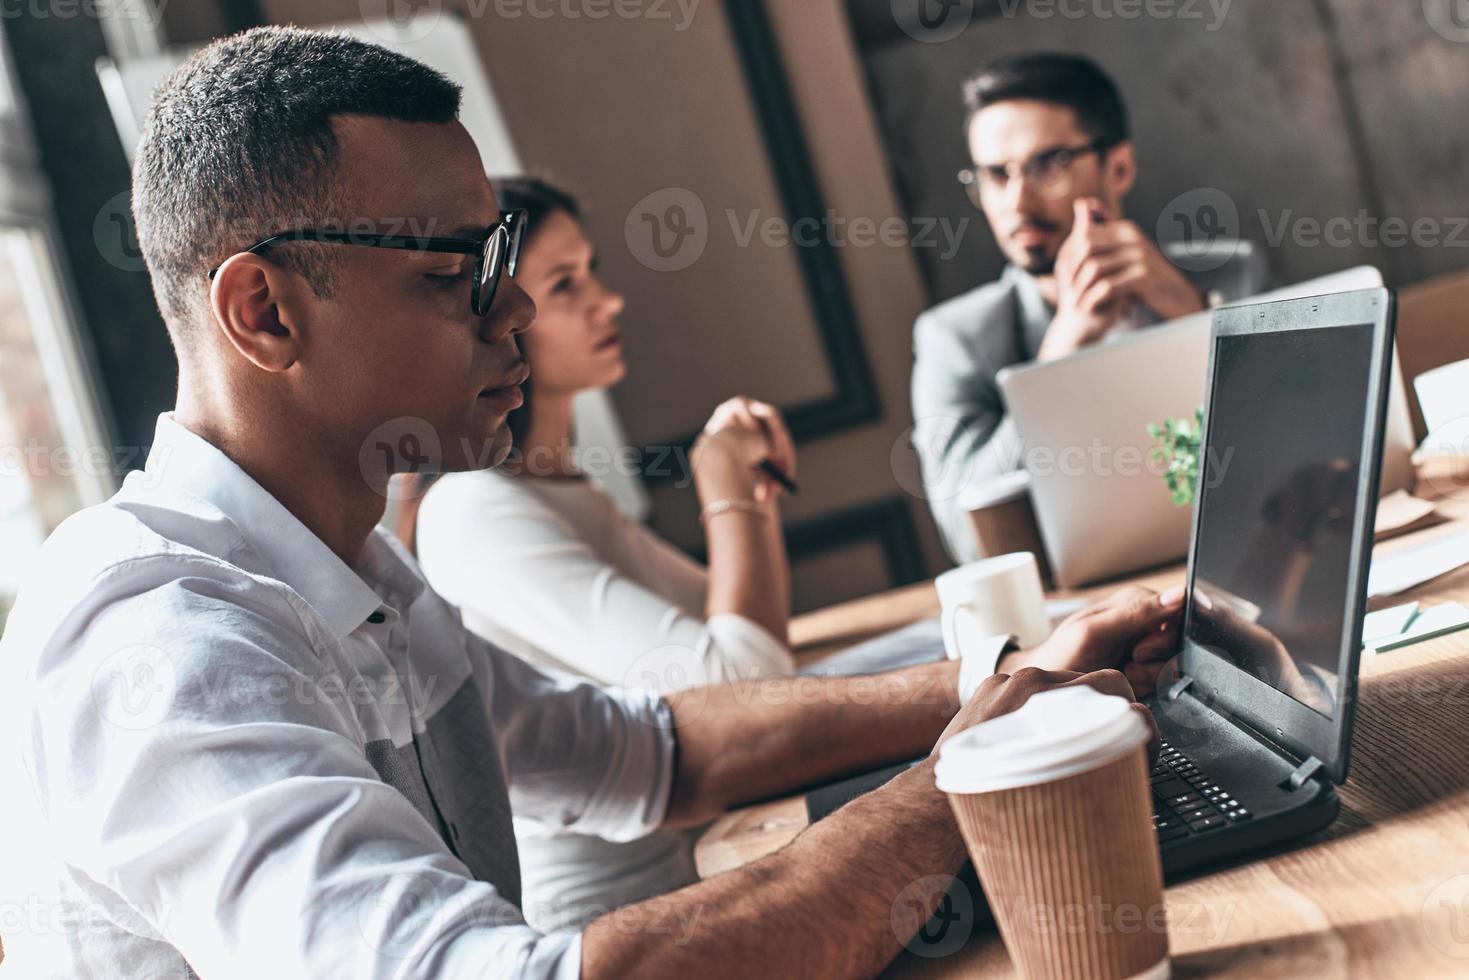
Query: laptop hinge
[
  {"x": 1177, "y": 688},
  {"x": 1303, "y": 772}
]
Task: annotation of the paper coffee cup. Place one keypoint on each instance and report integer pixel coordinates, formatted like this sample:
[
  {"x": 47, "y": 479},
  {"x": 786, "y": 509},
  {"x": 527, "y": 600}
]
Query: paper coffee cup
[
  {"x": 994, "y": 597},
  {"x": 1055, "y": 807}
]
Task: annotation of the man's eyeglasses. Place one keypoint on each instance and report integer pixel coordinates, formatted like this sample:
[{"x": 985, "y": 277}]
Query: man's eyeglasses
[
  {"x": 498, "y": 249},
  {"x": 1048, "y": 172}
]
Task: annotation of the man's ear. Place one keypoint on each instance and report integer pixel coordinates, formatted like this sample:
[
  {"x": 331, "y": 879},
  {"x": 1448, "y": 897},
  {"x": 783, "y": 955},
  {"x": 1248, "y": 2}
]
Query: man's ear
[
  {"x": 255, "y": 306},
  {"x": 1120, "y": 172}
]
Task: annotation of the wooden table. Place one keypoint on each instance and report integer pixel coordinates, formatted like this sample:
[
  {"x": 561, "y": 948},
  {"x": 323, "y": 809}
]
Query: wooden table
[{"x": 1382, "y": 893}]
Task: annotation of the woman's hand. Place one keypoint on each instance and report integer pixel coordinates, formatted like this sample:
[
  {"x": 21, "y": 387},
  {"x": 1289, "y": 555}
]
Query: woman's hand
[{"x": 740, "y": 435}]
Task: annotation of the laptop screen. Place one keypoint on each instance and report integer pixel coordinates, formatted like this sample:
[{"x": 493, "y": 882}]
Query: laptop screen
[{"x": 1277, "y": 500}]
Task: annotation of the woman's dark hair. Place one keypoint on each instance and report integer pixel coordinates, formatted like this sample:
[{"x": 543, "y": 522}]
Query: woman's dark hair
[{"x": 540, "y": 200}]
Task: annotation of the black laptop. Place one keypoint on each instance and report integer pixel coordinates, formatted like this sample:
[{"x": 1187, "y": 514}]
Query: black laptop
[{"x": 1257, "y": 716}]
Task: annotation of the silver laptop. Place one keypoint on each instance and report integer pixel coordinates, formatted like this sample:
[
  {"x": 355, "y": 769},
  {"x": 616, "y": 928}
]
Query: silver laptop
[{"x": 1100, "y": 500}]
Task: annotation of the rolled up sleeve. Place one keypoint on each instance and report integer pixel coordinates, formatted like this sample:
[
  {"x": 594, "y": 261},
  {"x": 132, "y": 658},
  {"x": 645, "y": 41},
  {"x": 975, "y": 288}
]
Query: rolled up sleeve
[{"x": 579, "y": 756}]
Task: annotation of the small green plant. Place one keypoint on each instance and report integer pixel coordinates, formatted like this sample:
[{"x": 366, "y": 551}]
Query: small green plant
[{"x": 1177, "y": 449}]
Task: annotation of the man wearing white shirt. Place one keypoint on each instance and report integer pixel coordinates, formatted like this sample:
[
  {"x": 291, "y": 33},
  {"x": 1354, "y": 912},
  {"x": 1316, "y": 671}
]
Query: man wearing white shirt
[{"x": 260, "y": 746}]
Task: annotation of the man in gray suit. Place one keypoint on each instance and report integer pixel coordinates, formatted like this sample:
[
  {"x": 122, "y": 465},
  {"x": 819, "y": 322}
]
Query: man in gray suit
[{"x": 1053, "y": 160}]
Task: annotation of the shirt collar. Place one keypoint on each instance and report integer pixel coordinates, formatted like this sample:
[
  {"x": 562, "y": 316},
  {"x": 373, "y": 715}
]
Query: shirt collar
[{"x": 183, "y": 461}]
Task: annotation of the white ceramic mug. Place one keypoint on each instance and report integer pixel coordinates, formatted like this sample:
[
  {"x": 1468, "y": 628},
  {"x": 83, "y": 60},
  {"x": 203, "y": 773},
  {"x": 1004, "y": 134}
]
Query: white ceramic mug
[{"x": 993, "y": 597}]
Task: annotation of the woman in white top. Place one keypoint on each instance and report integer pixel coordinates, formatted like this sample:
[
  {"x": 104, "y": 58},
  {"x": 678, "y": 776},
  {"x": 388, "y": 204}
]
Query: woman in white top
[{"x": 541, "y": 561}]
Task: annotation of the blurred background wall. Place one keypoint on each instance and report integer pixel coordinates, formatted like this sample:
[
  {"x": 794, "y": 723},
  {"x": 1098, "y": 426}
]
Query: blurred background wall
[
  {"x": 711, "y": 124},
  {"x": 1301, "y": 112}
]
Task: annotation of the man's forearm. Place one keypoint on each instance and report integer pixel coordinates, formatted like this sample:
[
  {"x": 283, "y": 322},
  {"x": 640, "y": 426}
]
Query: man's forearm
[
  {"x": 754, "y": 739},
  {"x": 883, "y": 860}
]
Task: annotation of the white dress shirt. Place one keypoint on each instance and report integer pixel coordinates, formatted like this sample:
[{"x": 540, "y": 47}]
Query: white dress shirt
[
  {"x": 242, "y": 757},
  {"x": 554, "y": 571}
]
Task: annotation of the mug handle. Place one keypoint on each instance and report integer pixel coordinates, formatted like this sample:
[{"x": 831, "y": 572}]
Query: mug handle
[{"x": 948, "y": 623}]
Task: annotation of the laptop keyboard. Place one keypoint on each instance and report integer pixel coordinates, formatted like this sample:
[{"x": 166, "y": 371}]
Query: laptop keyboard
[{"x": 1186, "y": 801}]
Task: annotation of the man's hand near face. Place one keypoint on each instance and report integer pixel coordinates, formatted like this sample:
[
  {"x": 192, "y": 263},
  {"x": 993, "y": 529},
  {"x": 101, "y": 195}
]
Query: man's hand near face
[{"x": 1104, "y": 268}]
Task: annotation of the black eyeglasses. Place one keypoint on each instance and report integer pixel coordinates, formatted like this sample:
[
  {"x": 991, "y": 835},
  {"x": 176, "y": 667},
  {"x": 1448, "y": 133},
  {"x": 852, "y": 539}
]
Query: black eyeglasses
[
  {"x": 1049, "y": 172},
  {"x": 498, "y": 249}
]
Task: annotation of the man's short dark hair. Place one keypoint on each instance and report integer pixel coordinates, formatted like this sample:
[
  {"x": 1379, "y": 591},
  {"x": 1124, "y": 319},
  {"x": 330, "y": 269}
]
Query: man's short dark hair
[
  {"x": 1060, "y": 79},
  {"x": 239, "y": 145}
]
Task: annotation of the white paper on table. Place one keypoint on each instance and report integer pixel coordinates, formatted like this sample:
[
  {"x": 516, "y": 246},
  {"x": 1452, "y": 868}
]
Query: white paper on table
[
  {"x": 1437, "y": 621},
  {"x": 1442, "y": 394},
  {"x": 1385, "y": 624},
  {"x": 1403, "y": 570}
]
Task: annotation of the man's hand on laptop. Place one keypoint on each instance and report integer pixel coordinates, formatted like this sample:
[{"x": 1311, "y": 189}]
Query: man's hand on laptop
[
  {"x": 1133, "y": 631},
  {"x": 1003, "y": 693},
  {"x": 1102, "y": 269}
]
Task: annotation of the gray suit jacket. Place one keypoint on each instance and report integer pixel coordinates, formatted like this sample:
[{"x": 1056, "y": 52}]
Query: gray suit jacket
[{"x": 962, "y": 432}]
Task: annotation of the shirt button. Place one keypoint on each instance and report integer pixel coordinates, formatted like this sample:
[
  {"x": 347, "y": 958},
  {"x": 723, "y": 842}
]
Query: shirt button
[{"x": 377, "y": 619}]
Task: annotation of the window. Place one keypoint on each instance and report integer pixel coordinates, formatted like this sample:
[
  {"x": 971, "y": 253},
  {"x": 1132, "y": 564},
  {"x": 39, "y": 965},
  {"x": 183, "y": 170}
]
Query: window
[{"x": 55, "y": 457}]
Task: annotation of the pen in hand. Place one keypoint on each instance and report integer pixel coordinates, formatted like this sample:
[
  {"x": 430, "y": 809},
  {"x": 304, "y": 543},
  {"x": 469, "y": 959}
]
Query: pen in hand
[{"x": 774, "y": 472}]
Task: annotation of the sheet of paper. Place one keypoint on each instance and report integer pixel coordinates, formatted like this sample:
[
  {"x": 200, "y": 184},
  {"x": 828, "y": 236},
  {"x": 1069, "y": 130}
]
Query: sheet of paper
[
  {"x": 1399, "y": 572},
  {"x": 1387, "y": 623},
  {"x": 1433, "y": 622}
]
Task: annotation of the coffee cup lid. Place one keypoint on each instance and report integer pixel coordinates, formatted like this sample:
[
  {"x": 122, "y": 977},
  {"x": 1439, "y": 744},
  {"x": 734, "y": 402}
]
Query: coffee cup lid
[{"x": 1055, "y": 734}]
